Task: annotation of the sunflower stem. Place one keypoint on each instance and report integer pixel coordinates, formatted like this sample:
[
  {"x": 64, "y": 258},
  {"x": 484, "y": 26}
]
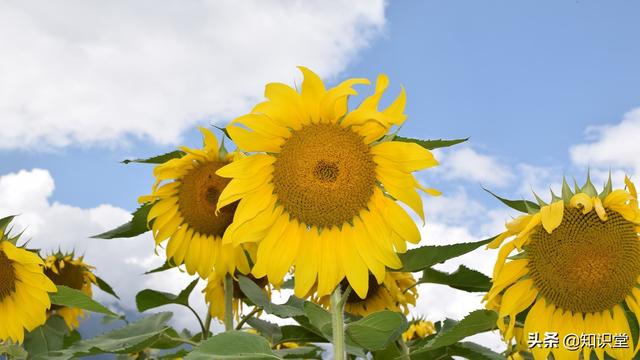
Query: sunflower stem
[
  {"x": 207, "y": 326},
  {"x": 228, "y": 302},
  {"x": 404, "y": 348},
  {"x": 337, "y": 324}
]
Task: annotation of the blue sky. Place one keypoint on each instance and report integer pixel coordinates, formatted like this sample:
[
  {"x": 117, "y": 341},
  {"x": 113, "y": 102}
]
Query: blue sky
[{"x": 542, "y": 89}]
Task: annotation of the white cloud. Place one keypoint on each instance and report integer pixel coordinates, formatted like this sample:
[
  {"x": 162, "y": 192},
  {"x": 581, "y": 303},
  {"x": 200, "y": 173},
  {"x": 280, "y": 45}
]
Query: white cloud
[
  {"x": 100, "y": 72},
  {"x": 120, "y": 262},
  {"x": 612, "y": 145},
  {"x": 467, "y": 164}
]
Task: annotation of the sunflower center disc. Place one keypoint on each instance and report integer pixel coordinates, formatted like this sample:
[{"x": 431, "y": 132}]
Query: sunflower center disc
[
  {"x": 7, "y": 277},
  {"x": 198, "y": 196},
  {"x": 324, "y": 175},
  {"x": 70, "y": 275},
  {"x": 585, "y": 265}
]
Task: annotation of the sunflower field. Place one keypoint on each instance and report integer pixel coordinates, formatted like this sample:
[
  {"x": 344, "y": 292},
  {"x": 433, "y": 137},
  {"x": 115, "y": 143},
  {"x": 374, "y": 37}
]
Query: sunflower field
[{"x": 315, "y": 197}]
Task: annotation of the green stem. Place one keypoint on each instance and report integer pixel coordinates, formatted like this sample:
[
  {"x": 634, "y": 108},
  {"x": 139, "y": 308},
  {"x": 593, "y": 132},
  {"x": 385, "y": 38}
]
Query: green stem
[
  {"x": 198, "y": 318},
  {"x": 247, "y": 317},
  {"x": 404, "y": 348},
  {"x": 337, "y": 324},
  {"x": 207, "y": 326},
  {"x": 228, "y": 303}
]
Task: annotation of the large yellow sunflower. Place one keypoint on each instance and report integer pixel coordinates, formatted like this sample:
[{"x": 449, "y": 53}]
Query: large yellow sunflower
[
  {"x": 24, "y": 298},
  {"x": 575, "y": 271},
  {"x": 64, "y": 269},
  {"x": 396, "y": 293},
  {"x": 319, "y": 190},
  {"x": 184, "y": 201}
]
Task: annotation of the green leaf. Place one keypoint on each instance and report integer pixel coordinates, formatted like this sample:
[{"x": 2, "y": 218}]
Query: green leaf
[
  {"x": 462, "y": 279},
  {"x": 260, "y": 298},
  {"x": 476, "y": 322},
  {"x": 149, "y": 299},
  {"x": 69, "y": 297},
  {"x": 160, "y": 159},
  {"x": 302, "y": 352},
  {"x": 376, "y": 331},
  {"x": 567, "y": 194},
  {"x": 298, "y": 334},
  {"x": 431, "y": 144},
  {"x": 135, "y": 227},
  {"x": 524, "y": 206},
  {"x": 131, "y": 338},
  {"x": 233, "y": 345},
  {"x": 46, "y": 338},
  {"x": 426, "y": 256},
  {"x": 474, "y": 351},
  {"x": 268, "y": 330},
  {"x": 104, "y": 286},
  {"x": 168, "y": 265}
]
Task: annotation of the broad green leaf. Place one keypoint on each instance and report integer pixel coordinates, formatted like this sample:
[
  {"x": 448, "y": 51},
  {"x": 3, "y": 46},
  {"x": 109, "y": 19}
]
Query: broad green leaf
[
  {"x": 160, "y": 159},
  {"x": 462, "y": 279},
  {"x": 149, "y": 299},
  {"x": 426, "y": 256},
  {"x": 131, "y": 338},
  {"x": 69, "y": 297},
  {"x": 303, "y": 352},
  {"x": 168, "y": 265},
  {"x": 431, "y": 144},
  {"x": 476, "y": 322},
  {"x": 135, "y": 227},
  {"x": 268, "y": 330},
  {"x": 180, "y": 354},
  {"x": 473, "y": 351},
  {"x": 392, "y": 351},
  {"x": 298, "y": 334},
  {"x": 46, "y": 338},
  {"x": 233, "y": 345},
  {"x": 524, "y": 206},
  {"x": 319, "y": 318},
  {"x": 104, "y": 286},
  {"x": 260, "y": 298},
  {"x": 377, "y": 330}
]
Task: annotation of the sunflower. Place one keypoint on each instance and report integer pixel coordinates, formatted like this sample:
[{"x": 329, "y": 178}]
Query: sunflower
[
  {"x": 64, "y": 269},
  {"x": 419, "y": 329},
  {"x": 184, "y": 209},
  {"x": 214, "y": 290},
  {"x": 576, "y": 269},
  {"x": 24, "y": 298},
  {"x": 319, "y": 188},
  {"x": 395, "y": 293}
]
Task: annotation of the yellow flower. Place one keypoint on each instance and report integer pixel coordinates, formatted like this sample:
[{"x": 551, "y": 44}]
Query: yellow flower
[
  {"x": 396, "y": 293},
  {"x": 576, "y": 267},
  {"x": 24, "y": 298},
  {"x": 419, "y": 329},
  {"x": 319, "y": 190},
  {"x": 72, "y": 272},
  {"x": 184, "y": 210}
]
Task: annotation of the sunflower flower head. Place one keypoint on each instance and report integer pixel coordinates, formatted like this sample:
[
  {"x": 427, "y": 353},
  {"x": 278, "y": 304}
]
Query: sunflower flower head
[
  {"x": 419, "y": 329},
  {"x": 320, "y": 187},
  {"x": 396, "y": 293},
  {"x": 24, "y": 298},
  {"x": 183, "y": 211},
  {"x": 571, "y": 266},
  {"x": 68, "y": 270}
]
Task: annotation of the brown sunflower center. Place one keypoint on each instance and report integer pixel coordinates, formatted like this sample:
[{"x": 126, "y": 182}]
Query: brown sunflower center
[
  {"x": 324, "y": 175},
  {"x": 70, "y": 275},
  {"x": 585, "y": 265},
  {"x": 198, "y": 196},
  {"x": 7, "y": 276}
]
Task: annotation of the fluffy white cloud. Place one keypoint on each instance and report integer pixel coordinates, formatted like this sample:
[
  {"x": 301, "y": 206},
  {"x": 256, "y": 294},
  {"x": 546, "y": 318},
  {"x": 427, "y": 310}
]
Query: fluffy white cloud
[
  {"x": 612, "y": 145},
  {"x": 121, "y": 262},
  {"x": 468, "y": 164},
  {"x": 100, "y": 72}
]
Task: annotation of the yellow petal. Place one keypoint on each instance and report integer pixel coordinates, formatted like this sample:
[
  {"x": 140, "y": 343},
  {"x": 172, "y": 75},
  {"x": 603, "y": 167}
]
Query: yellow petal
[
  {"x": 582, "y": 202},
  {"x": 551, "y": 215},
  {"x": 602, "y": 213}
]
